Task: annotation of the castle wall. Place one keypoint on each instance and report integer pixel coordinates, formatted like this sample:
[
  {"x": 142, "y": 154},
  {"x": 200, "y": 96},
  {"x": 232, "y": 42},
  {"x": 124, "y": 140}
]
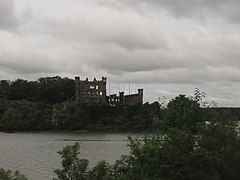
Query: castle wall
[
  {"x": 94, "y": 92},
  {"x": 91, "y": 91},
  {"x": 132, "y": 99}
]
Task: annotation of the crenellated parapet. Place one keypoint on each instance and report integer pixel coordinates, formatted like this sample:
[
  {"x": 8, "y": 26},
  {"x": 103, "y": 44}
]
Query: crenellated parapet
[
  {"x": 91, "y": 91},
  {"x": 94, "y": 92}
]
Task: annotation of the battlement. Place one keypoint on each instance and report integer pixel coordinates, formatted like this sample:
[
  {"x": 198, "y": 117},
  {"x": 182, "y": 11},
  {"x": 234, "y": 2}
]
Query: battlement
[
  {"x": 95, "y": 92},
  {"x": 91, "y": 91},
  {"x": 129, "y": 99}
]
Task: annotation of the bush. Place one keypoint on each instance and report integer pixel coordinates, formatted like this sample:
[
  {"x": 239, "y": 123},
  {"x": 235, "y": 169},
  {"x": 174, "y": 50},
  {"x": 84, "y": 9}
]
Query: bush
[{"x": 9, "y": 175}]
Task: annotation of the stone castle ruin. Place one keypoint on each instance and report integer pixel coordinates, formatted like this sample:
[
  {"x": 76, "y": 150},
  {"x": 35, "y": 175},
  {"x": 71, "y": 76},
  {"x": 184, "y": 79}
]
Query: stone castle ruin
[{"x": 94, "y": 92}]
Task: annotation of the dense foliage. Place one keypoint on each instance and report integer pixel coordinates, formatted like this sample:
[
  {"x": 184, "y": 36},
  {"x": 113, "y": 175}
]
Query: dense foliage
[
  {"x": 101, "y": 117},
  {"x": 49, "y": 90},
  {"x": 188, "y": 147},
  {"x": 27, "y": 116},
  {"x": 48, "y": 104},
  {"x": 24, "y": 115},
  {"x": 9, "y": 175}
]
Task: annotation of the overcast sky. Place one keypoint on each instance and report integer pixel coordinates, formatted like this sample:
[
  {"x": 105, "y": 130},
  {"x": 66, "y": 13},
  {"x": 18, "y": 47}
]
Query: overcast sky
[{"x": 167, "y": 47}]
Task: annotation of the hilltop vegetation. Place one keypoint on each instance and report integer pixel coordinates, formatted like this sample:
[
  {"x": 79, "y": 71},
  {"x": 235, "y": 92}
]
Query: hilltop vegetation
[
  {"x": 48, "y": 104},
  {"x": 50, "y": 90}
]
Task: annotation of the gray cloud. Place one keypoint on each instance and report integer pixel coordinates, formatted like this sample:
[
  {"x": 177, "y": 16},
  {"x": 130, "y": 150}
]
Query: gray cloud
[
  {"x": 157, "y": 45},
  {"x": 125, "y": 30},
  {"x": 26, "y": 64},
  {"x": 225, "y": 9},
  {"x": 8, "y": 19}
]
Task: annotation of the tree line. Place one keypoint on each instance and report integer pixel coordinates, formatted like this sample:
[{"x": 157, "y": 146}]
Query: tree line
[
  {"x": 186, "y": 145},
  {"x": 49, "y": 104},
  {"x": 48, "y": 90},
  {"x": 34, "y": 116}
]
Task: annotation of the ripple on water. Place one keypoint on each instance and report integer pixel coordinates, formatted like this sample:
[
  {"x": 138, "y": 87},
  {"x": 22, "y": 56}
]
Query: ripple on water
[{"x": 35, "y": 154}]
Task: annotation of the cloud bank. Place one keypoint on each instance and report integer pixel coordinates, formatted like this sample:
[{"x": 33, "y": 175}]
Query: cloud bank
[{"x": 166, "y": 47}]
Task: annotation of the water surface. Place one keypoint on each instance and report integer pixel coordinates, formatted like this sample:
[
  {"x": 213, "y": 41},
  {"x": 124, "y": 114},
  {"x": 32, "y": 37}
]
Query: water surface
[{"x": 35, "y": 154}]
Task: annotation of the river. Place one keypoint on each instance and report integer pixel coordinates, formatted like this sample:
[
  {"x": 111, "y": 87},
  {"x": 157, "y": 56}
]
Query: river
[{"x": 35, "y": 154}]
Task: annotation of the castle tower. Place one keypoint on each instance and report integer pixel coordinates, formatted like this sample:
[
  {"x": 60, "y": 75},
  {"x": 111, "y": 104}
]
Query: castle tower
[{"x": 92, "y": 92}]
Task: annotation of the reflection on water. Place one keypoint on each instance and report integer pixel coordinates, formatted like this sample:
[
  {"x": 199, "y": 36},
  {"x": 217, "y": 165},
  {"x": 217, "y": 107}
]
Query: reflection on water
[{"x": 35, "y": 154}]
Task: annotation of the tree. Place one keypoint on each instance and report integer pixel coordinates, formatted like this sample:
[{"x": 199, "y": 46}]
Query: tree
[
  {"x": 182, "y": 112},
  {"x": 189, "y": 149},
  {"x": 24, "y": 115},
  {"x": 73, "y": 167},
  {"x": 55, "y": 89},
  {"x": 9, "y": 175},
  {"x": 4, "y": 88}
]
